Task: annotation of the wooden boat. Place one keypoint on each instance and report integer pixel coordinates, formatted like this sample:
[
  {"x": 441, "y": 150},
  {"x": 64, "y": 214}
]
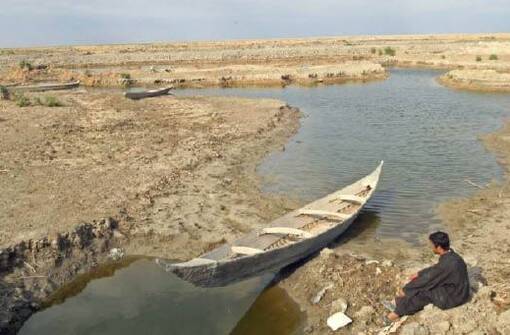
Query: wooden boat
[
  {"x": 45, "y": 87},
  {"x": 285, "y": 241},
  {"x": 147, "y": 94}
]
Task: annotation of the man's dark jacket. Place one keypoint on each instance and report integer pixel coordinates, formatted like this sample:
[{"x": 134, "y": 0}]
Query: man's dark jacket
[{"x": 445, "y": 284}]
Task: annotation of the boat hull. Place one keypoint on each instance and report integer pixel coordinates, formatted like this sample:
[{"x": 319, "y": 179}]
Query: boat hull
[
  {"x": 147, "y": 94},
  {"x": 221, "y": 274},
  {"x": 45, "y": 87},
  {"x": 257, "y": 252}
]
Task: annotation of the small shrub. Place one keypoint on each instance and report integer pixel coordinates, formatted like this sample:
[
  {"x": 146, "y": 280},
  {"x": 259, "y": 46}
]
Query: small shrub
[
  {"x": 25, "y": 65},
  {"x": 38, "y": 101},
  {"x": 389, "y": 51},
  {"x": 478, "y": 58},
  {"x": 493, "y": 57},
  {"x": 125, "y": 79},
  {"x": 4, "y": 93},
  {"x": 22, "y": 100},
  {"x": 380, "y": 52},
  {"x": 373, "y": 50},
  {"x": 443, "y": 56},
  {"x": 51, "y": 101}
]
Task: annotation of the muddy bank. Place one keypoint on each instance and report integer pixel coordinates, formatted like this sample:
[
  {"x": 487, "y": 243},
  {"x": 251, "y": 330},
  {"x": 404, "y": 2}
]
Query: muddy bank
[
  {"x": 32, "y": 270},
  {"x": 477, "y": 80},
  {"x": 335, "y": 278},
  {"x": 175, "y": 177},
  {"x": 207, "y": 75}
]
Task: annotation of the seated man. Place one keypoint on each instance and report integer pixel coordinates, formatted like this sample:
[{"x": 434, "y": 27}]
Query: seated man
[{"x": 444, "y": 284}]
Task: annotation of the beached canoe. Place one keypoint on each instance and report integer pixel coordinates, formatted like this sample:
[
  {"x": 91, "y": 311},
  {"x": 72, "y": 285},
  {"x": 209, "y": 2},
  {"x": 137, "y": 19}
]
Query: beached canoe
[
  {"x": 147, "y": 94},
  {"x": 286, "y": 240},
  {"x": 45, "y": 87}
]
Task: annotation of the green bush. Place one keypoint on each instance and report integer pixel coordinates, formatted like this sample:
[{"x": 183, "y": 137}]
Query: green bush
[
  {"x": 125, "y": 79},
  {"x": 51, "y": 101},
  {"x": 389, "y": 51},
  {"x": 380, "y": 52},
  {"x": 373, "y": 50},
  {"x": 478, "y": 58},
  {"x": 4, "y": 93},
  {"x": 493, "y": 57},
  {"x": 25, "y": 65},
  {"x": 22, "y": 100}
]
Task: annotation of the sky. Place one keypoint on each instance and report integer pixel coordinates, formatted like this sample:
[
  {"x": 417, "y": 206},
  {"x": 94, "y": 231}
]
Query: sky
[{"x": 71, "y": 22}]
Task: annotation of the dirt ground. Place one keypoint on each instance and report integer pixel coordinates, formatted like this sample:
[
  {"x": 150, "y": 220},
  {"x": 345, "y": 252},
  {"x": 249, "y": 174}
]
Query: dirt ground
[{"x": 176, "y": 166}]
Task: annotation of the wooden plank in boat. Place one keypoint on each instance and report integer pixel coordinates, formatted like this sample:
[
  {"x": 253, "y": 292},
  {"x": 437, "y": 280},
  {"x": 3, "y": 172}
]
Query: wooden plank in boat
[
  {"x": 239, "y": 250},
  {"x": 286, "y": 231}
]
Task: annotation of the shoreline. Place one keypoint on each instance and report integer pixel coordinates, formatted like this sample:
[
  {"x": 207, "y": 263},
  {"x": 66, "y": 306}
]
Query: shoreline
[
  {"x": 476, "y": 81},
  {"x": 273, "y": 62}
]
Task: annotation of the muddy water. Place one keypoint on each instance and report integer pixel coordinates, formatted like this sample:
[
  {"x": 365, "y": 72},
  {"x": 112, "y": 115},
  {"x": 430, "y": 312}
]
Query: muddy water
[
  {"x": 428, "y": 137},
  {"x": 143, "y": 299}
]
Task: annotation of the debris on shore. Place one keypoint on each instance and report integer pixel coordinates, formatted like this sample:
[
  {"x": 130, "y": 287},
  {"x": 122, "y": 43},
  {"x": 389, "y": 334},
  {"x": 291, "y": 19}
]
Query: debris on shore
[{"x": 358, "y": 286}]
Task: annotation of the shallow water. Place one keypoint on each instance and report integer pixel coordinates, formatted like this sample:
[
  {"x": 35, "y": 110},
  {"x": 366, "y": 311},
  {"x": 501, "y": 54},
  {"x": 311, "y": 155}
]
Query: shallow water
[
  {"x": 428, "y": 137},
  {"x": 426, "y": 134},
  {"x": 144, "y": 299}
]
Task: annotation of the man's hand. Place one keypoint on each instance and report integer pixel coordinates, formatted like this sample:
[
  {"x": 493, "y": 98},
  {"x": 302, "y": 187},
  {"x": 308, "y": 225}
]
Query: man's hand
[
  {"x": 401, "y": 293},
  {"x": 413, "y": 277}
]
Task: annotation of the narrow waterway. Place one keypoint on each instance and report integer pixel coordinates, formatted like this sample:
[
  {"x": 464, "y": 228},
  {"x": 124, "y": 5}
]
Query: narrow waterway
[{"x": 428, "y": 137}]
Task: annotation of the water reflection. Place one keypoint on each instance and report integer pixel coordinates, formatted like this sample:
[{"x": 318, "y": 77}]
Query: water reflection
[
  {"x": 143, "y": 298},
  {"x": 274, "y": 312}
]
